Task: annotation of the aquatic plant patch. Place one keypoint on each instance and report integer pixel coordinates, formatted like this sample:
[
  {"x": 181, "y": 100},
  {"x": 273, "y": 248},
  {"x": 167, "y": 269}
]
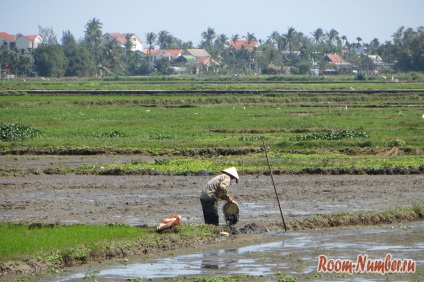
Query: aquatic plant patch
[
  {"x": 333, "y": 135},
  {"x": 113, "y": 134},
  {"x": 15, "y": 132}
]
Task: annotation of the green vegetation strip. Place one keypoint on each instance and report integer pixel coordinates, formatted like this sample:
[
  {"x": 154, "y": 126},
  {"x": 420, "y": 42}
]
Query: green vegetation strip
[
  {"x": 186, "y": 82},
  {"x": 60, "y": 244},
  {"x": 68, "y": 244},
  {"x": 254, "y": 163},
  {"x": 323, "y": 132}
]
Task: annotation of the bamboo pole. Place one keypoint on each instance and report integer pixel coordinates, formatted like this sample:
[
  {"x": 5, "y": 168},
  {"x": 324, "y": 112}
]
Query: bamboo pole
[{"x": 275, "y": 189}]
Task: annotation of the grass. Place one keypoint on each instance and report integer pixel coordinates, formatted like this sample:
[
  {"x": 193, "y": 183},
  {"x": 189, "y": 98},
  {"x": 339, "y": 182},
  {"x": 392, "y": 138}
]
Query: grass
[
  {"x": 65, "y": 122},
  {"x": 197, "y": 131},
  {"x": 281, "y": 163},
  {"x": 54, "y": 243},
  {"x": 186, "y": 82},
  {"x": 399, "y": 214},
  {"x": 23, "y": 240},
  {"x": 63, "y": 243}
]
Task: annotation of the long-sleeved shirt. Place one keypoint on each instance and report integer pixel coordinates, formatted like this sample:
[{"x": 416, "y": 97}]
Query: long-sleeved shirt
[{"x": 216, "y": 188}]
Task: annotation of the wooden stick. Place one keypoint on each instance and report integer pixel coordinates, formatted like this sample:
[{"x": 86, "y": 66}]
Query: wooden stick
[{"x": 275, "y": 189}]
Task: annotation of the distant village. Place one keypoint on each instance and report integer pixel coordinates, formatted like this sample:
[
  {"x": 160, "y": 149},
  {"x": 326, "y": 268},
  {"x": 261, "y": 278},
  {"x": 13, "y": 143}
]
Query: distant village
[{"x": 217, "y": 54}]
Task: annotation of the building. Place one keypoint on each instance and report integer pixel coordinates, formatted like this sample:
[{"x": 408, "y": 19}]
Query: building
[
  {"x": 159, "y": 54},
  {"x": 121, "y": 38},
  {"x": 23, "y": 42},
  {"x": 244, "y": 44},
  {"x": 28, "y": 42},
  {"x": 338, "y": 65},
  {"x": 7, "y": 40}
]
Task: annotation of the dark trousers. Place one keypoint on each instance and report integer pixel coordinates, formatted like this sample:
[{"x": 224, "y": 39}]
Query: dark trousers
[{"x": 210, "y": 211}]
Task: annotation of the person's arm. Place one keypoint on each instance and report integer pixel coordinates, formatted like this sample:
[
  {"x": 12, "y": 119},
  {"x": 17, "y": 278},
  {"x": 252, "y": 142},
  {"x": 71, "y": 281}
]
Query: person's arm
[
  {"x": 223, "y": 188},
  {"x": 229, "y": 199}
]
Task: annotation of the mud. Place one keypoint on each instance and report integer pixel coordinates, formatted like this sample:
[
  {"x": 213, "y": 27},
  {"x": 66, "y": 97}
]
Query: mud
[
  {"x": 277, "y": 256},
  {"x": 146, "y": 199}
]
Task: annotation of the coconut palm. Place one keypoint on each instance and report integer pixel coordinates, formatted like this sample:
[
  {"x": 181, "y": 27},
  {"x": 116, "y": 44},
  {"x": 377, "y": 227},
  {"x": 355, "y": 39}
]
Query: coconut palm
[
  {"x": 113, "y": 53},
  {"x": 318, "y": 35},
  {"x": 208, "y": 36},
  {"x": 359, "y": 39},
  {"x": 221, "y": 41},
  {"x": 291, "y": 38},
  {"x": 151, "y": 38},
  {"x": 163, "y": 39},
  {"x": 235, "y": 37},
  {"x": 250, "y": 37},
  {"x": 344, "y": 41},
  {"x": 93, "y": 32},
  {"x": 333, "y": 40},
  {"x": 373, "y": 46}
]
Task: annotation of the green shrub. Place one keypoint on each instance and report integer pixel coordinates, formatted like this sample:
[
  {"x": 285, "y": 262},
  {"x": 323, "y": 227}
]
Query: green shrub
[{"x": 396, "y": 143}]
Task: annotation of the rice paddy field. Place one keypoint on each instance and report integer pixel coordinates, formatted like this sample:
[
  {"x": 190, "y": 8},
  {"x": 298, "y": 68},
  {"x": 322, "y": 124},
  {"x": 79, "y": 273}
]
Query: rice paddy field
[
  {"x": 204, "y": 124},
  {"x": 345, "y": 154}
]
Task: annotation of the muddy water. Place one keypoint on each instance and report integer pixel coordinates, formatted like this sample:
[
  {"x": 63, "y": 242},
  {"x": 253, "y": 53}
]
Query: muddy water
[{"x": 294, "y": 254}]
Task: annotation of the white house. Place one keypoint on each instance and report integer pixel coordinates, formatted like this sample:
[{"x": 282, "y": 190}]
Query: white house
[
  {"x": 121, "y": 39},
  {"x": 27, "y": 42},
  {"x": 7, "y": 40}
]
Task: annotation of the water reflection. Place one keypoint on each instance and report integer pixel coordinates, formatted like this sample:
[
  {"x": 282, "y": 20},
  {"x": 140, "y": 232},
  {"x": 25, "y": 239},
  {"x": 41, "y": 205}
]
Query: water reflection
[{"x": 267, "y": 259}]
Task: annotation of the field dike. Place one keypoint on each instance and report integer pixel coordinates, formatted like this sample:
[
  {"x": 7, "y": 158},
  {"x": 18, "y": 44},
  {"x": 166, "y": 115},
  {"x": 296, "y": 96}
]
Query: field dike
[{"x": 172, "y": 240}]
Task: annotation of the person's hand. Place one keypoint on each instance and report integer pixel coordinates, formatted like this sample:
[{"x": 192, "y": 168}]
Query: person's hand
[{"x": 229, "y": 199}]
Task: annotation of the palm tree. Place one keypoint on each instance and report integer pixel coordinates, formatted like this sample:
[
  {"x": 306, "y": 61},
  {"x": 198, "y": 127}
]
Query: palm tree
[
  {"x": 113, "y": 55},
  {"x": 373, "y": 46},
  {"x": 344, "y": 40},
  {"x": 129, "y": 45},
  {"x": 163, "y": 39},
  {"x": 93, "y": 32},
  {"x": 250, "y": 37},
  {"x": 291, "y": 38},
  {"x": 234, "y": 38},
  {"x": 151, "y": 38},
  {"x": 332, "y": 40},
  {"x": 318, "y": 35},
  {"x": 359, "y": 39},
  {"x": 221, "y": 41},
  {"x": 208, "y": 36}
]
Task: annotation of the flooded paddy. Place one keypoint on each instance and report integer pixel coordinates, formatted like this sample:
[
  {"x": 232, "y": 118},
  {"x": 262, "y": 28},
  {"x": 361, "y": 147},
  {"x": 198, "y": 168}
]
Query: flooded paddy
[
  {"x": 146, "y": 199},
  {"x": 292, "y": 254}
]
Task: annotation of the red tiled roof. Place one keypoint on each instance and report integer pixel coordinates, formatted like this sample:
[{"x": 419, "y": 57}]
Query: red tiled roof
[
  {"x": 153, "y": 51},
  {"x": 120, "y": 37},
  {"x": 239, "y": 43},
  {"x": 31, "y": 37},
  {"x": 174, "y": 52},
  {"x": 7, "y": 36},
  {"x": 335, "y": 58}
]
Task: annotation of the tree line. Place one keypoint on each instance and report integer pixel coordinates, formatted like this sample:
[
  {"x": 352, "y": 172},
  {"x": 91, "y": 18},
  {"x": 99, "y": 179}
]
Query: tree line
[{"x": 95, "y": 56}]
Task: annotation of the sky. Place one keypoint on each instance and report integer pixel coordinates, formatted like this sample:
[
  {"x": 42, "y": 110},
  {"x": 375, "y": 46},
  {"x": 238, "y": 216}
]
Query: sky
[{"x": 187, "y": 19}]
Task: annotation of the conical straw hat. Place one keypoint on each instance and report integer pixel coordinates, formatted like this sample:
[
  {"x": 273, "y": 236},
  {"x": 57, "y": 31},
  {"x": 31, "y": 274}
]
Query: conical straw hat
[{"x": 232, "y": 171}]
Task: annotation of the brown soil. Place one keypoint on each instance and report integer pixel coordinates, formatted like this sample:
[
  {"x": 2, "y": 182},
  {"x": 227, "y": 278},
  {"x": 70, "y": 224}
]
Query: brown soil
[{"x": 146, "y": 199}]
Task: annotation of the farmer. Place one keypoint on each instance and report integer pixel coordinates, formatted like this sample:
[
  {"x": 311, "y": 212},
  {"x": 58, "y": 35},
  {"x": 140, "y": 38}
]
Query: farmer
[{"x": 217, "y": 189}]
